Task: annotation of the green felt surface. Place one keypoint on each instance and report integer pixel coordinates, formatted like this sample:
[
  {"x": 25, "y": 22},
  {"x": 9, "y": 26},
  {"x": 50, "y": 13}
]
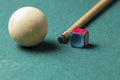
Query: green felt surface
[{"x": 54, "y": 61}]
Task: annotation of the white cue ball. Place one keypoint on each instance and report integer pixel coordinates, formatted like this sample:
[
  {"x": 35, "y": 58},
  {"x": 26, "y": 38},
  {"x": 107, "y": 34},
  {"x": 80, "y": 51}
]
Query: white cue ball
[{"x": 28, "y": 26}]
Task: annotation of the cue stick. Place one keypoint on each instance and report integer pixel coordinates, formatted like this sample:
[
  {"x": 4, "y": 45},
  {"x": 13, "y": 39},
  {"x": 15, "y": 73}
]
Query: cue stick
[{"x": 64, "y": 38}]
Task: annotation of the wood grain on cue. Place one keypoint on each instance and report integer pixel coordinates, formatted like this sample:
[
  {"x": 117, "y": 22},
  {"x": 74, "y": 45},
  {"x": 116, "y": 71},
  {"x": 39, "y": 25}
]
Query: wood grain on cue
[{"x": 90, "y": 14}]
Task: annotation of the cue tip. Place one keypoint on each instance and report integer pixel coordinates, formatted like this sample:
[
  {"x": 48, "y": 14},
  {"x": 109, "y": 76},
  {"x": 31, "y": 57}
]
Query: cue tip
[{"x": 62, "y": 39}]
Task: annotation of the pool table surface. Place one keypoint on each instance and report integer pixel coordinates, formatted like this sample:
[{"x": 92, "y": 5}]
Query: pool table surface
[{"x": 54, "y": 61}]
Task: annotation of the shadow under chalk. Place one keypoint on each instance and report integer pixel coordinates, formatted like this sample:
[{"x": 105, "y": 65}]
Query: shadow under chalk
[
  {"x": 46, "y": 46},
  {"x": 91, "y": 46}
]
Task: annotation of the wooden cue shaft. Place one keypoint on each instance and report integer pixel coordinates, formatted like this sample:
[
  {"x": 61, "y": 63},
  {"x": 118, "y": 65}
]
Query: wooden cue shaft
[{"x": 90, "y": 14}]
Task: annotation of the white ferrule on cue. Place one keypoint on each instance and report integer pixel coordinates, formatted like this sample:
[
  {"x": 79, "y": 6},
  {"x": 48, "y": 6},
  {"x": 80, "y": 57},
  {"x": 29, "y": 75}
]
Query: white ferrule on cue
[{"x": 90, "y": 14}]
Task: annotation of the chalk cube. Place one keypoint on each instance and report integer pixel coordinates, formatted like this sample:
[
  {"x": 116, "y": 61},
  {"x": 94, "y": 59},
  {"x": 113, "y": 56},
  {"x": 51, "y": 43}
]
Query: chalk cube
[{"x": 79, "y": 38}]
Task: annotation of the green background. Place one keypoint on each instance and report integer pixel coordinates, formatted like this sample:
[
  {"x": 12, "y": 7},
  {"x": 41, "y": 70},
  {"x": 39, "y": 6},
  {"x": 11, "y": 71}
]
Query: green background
[{"x": 53, "y": 61}]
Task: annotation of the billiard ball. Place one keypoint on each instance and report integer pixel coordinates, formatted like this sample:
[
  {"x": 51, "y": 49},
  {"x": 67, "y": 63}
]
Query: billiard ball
[{"x": 28, "y": 26}]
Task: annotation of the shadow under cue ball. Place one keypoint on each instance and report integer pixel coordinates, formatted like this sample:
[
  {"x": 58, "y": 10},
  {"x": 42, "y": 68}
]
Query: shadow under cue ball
[{"x": 28, "y": 26}]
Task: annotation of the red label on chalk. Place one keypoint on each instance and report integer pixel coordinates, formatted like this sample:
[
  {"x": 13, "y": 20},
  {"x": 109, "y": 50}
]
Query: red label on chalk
[{"x": 80, "y": 31}]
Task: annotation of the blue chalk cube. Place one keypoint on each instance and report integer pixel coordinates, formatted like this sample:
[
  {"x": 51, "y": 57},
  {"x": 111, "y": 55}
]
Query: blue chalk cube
[{"x": 79, "y": 38}]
